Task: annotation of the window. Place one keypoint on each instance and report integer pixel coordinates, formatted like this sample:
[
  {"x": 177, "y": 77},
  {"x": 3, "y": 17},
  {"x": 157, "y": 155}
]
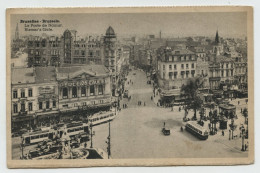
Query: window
[
  {"x": 182, "y": 66},
  {"x": 14, "y": 94},
  {"x": 163, "y": 67},
  {"x": 82, "y": 52},
  {"x": 22, "y": 107},
  {"x": 92, "y": 90},
  {"x": 74, "y": 92},
  {"x": 187, "y": 74},
  {"x": 170, "y": 67},
  {"x": 65, "y": 93},
  {"x": 100, "y": 89},
  {"x": 182, "y": 74},
  {"x": 22, "y": 93},
  {"x": 83, "y": 91},
  {"x": 54, "y": 104},
  {"x": 192, "y": 65},
  {"x": 30, "y": 106},
  {"x": 222, "y": 73},
  {"x": 40, "y": 105},
  {"x": 163, "y": 75},
  {"x": 187, "y": 65},
  {"x": 175, "y": 67},
  {"x": 226, "y": 65},
  {"x": 15, "y": 108},
  {"x": 170, "y": 75},
  {"x": 30, "y": 93},
  {"x": 47, "y": 105},
  {"x": 175, "y": 75}
]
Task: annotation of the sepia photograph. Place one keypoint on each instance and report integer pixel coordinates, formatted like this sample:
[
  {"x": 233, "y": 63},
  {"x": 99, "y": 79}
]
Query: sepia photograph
[{"x": 129, "y": 86}]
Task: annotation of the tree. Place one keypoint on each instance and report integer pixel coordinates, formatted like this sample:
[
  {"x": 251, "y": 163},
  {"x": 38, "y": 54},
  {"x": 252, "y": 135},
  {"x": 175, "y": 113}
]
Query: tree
[{"x": 190, "y": 93}]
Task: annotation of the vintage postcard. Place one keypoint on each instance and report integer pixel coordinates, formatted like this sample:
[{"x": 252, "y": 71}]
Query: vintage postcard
[{"x": 129, "y": 86}]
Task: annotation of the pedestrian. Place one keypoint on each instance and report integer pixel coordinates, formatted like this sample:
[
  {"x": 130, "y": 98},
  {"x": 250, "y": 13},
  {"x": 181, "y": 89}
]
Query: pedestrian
[
  {"x": 172, "y": 108},
  {"x": 151, "y": 97},
  {"x": 144, "y": 103},
  {"x": 157, "y": 104},
  {"x": 241, "y": 110},
  {"x": 181, "y": 129},
  {"x": 85, "y": 145},
  {"x": 223, "y": 133},
  {"x": 179, "y": 109},
  {"x": 238, "y": 102},
  {"x": 245, "y": 147}
]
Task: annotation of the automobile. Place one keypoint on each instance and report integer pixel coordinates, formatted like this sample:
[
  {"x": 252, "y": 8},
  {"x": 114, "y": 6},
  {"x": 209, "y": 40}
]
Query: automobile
[
  {"x": 134, "y": 73},
  {"x": 166, "y": 131}
]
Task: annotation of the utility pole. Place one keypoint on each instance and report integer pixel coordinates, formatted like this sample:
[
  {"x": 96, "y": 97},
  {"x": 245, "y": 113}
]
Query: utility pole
[
  {"x": 22, "y": 147},
  {"x": 243, "y": 139},
  {"x": 108, "y": 142},
  {"x": 91, "y": 135}
]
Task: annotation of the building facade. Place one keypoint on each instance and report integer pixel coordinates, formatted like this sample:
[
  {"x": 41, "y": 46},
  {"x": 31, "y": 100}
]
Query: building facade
[
  {"x": 43, "y": 95},
  {"x": 175, "y": 68}
]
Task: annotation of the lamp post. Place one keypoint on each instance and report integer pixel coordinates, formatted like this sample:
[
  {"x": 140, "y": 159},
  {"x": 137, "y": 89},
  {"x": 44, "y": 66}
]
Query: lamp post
[
  {"x": 92, "y": 133},
  {"x": 108, "y": 142},
  {"x": 243, "y": 140},
  {"x": 22, "y": 146}
]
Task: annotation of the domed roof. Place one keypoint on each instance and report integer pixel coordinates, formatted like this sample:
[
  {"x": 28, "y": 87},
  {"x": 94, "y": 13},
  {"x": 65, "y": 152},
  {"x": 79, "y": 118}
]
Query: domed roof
[{"x": 110, "y": 31}]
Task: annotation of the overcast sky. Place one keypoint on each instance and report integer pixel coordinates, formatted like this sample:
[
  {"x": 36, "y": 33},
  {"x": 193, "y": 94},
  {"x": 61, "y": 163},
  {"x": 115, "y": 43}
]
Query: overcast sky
[{"x": 175, "y": 24}]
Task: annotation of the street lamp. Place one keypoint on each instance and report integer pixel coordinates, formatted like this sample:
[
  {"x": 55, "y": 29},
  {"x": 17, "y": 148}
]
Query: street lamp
[
  {"x": 92, "y": 133},
  {"x": 22, "y": 146},
  {"x": 108, "y": 142},
  {"x": 243, "y": 138},
  {"x": 229, "y": 134}
]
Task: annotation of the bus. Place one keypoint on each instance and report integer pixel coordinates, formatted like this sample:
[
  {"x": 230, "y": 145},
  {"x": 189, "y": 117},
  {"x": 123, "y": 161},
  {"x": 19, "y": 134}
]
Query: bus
[
  {"x": 38, "y": 136},
  {"x": 197, "y": 130},
  {"x": 101, "y": 117},
  {"x": 74, "y": 128}
]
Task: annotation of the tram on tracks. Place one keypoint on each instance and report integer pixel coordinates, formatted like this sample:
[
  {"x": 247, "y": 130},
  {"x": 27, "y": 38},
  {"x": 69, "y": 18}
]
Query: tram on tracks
[{"x": 197, "y": 130}]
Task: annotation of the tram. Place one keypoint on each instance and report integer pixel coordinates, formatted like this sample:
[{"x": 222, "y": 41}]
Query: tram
[
  {"x": 197, "y": 130},
  {"x": 101, "y": 117},
  {"x": 38, "y": 136},
  {"x": 74, "y": 128}
]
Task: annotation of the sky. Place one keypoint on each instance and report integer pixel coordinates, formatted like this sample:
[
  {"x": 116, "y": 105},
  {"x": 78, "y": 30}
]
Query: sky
[{"x": 229, "y": 24}]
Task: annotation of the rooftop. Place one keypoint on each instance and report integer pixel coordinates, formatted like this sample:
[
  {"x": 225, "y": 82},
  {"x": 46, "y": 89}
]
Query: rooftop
[
  {"x": 22, "y": 75},
  {"x": 73, "y": 71},
  {"x": 182, "y": 52},
  {"x": 45, "y": 74}
]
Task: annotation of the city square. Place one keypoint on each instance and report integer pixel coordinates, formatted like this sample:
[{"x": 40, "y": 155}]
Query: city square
[{"x": 117, "y": 95}]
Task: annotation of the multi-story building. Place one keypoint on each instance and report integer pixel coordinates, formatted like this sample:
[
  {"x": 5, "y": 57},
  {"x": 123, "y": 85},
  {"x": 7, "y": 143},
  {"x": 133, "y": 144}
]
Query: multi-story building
[
  {"x": 110, "y": 49},
  {"x": 43, "y": 94},
  {"x": 43, "y": 51},
  {"x": 222, "y": 70},
  {"x": 83, "y": 87},
  {"x": 34, "y": 95},
  {"x": 24, "y": 97},
  {"x": 202, "y": 70},
  {"x": 95, "y": 52},
  {"x": 175, "y": 68}
]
